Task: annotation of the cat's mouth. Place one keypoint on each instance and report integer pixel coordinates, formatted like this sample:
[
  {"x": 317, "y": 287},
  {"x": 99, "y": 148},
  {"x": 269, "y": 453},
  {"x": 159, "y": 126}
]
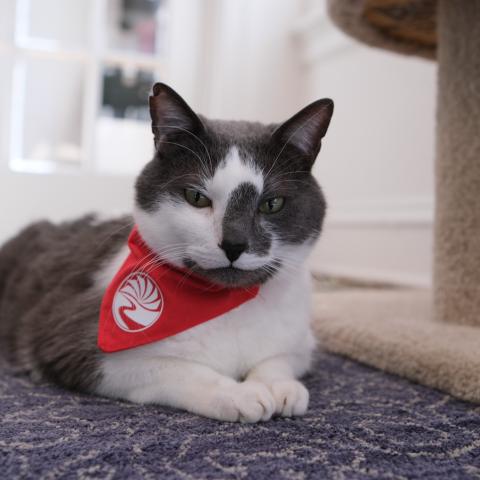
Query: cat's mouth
[{"x": 231, "y": 276}]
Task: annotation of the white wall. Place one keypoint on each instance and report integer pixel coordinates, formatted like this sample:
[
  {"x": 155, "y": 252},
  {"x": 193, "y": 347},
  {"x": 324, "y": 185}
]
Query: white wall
[
  {"x": 250, "y": 68},
  {"x": 376, "y": 165}
]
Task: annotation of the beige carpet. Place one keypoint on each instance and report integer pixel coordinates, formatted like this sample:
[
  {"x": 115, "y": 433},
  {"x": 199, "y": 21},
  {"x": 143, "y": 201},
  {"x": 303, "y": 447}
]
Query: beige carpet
[{"x": 391, "y": 329}]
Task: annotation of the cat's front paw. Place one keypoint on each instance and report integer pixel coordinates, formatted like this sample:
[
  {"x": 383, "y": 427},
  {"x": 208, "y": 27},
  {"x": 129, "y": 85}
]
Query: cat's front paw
[
  {"x": 291, "y": 398},
  {"x": 247, "y": 402}
]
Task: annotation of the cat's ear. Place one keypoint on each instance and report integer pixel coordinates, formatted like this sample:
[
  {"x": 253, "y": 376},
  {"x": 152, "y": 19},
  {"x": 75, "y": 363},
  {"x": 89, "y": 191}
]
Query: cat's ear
[
  {"x": 171, "y": 115},
  {"x": 306, "y": 128}
]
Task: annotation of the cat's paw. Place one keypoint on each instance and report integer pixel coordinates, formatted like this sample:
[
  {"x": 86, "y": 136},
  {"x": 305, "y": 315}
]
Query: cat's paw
[
  {"x": 291, "y": 398},
  {"x": 247, "y": 402}
]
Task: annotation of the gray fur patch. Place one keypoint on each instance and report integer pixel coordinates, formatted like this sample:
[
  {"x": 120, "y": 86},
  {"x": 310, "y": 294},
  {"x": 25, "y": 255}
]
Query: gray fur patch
[
  {"x": 242, "y": 222},
  {"x": 48, "y": 307}
]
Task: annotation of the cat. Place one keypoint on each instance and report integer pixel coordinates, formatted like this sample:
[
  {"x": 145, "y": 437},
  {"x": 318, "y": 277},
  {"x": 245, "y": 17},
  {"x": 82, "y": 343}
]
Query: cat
[{"x": 233, "y": 203}]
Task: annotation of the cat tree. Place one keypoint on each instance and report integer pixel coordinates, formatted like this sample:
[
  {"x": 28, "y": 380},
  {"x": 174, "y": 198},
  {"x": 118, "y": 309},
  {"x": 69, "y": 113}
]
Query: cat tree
[{"x": 441, "y": 350}]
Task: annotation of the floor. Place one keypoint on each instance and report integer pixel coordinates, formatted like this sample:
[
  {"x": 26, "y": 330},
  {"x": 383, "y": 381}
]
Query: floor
[{"x": 362, "y": 424}]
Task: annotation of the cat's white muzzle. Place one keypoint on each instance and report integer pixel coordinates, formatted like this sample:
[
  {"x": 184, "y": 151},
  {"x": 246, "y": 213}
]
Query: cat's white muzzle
[{"x": 208, "y": 259}]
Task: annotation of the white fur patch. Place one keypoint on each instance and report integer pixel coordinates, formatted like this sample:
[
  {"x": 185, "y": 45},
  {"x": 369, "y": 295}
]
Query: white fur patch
[{"x": 229, "y": 175}]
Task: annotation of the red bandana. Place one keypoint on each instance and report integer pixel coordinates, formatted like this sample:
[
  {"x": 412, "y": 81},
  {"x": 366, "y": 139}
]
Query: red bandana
[{"x": 147, "y": 302}]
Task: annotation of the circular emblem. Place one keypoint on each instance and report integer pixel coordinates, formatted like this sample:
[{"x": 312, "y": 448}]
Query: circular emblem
[{"x": 137, "y": 303}]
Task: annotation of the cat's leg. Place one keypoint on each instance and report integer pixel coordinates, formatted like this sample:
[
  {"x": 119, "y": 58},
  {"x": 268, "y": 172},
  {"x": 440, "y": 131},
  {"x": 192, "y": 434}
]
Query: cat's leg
[
  {"x": 279, "y": 374},
  {"x": 194, "y": 387}
]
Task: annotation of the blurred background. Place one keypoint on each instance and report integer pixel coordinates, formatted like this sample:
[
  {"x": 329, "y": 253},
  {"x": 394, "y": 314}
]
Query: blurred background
[{"x": 74, "y": 128}]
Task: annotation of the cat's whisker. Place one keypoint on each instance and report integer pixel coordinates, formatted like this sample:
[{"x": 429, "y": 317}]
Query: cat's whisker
[
  {"x": 192, "y": 134},
  {"x": 295, "y": 131},
  {"x": 281, "y": 183},
  {"x": 115, "y": 232},
  {"x": 141, "y": 260},
  {"x": 163, "y": 186},
  {"x": 160, "y": 259},
  {"x": 153, "y": 255},
  {"x": 293, "y": 172},
  {"x": 190, "y": 150},
  {"x": 188, "y": 273}
]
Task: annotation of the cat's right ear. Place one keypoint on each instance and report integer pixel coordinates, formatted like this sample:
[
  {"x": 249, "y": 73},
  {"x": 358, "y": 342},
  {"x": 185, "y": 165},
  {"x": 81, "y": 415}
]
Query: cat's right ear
[
  {"x": 306, "y": 129},
  {"x": 171, "y": 115}
]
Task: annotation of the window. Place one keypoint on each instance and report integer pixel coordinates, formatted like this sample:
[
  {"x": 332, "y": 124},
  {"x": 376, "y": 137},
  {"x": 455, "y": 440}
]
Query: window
[{"x": 79, "y": 73}]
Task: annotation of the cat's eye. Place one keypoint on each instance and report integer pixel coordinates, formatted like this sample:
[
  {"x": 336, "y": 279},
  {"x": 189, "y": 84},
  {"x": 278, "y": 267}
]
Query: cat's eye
[
  {"x": 272, "y": 205},
  {"x": 197, "y": 199}
]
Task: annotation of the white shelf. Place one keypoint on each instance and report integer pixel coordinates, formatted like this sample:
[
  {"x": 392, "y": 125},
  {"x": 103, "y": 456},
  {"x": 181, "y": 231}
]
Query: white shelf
[{"x": 95, "y": 56}]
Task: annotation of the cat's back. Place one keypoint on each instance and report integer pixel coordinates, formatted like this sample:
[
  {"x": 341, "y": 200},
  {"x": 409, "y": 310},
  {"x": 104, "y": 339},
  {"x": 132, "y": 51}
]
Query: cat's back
[
  {"x": 54, "y": 262},
  {"x": 43, "y": 255}
]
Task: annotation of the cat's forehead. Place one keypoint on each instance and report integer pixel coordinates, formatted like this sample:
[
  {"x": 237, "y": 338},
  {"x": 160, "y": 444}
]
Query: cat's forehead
[
  {"x": 239, "y": 131},
  {"x": 238, "y": 167},
  {"x": 242, "y": 151}
]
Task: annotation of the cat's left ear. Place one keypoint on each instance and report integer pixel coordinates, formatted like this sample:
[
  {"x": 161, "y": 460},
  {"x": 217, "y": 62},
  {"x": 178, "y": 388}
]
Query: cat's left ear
[
  {"x": 306, "y": 129},
  {"x": 171, "y": 115}
]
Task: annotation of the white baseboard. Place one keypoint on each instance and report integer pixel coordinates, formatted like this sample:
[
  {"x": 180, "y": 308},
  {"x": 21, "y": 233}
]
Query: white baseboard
[
  {"x": 376, "y": 275},
  {"x": 380, "y": 241},
  {"x": 405, "y": 212}
]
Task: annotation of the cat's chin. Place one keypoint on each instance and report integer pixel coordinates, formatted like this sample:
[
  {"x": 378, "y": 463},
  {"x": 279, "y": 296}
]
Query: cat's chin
[{"x": 231, "y": 276}]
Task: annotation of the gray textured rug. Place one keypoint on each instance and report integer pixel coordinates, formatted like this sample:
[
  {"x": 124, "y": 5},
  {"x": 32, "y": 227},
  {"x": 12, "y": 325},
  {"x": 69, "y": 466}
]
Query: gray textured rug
[{"x": 362, "y": 424}]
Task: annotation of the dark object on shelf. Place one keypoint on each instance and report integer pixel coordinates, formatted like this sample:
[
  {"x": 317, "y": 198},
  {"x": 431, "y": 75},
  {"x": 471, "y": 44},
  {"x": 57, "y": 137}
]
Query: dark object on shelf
[
  {"x": 132, "y": 10},
  {"x": 127, "y": 97}
]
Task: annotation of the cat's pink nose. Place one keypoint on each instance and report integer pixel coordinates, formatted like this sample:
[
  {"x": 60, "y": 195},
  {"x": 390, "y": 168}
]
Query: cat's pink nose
[{"x": 233, "y": 250}]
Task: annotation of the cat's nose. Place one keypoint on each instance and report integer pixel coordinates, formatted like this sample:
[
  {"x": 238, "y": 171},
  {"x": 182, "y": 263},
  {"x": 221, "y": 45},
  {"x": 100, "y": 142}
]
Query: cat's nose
[{"x": 233, "y": 250}]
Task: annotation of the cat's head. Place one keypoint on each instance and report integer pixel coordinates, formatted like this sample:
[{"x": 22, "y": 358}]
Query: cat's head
[{"x": 234, "y": 202}]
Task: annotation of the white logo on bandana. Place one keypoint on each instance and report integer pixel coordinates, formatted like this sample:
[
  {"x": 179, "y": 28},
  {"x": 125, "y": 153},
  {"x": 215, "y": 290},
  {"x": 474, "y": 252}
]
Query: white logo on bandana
[{"x": 137, "y": 303}]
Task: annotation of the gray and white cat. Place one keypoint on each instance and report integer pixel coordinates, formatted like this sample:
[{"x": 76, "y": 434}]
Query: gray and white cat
[{"x": 234, "y": 202}]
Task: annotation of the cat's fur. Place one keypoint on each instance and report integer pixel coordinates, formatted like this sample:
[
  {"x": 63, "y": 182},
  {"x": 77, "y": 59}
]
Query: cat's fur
[{"x": 242, "y": 365}]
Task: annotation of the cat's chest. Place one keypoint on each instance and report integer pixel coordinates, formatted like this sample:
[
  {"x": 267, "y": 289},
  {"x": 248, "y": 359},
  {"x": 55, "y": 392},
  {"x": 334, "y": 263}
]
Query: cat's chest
[{"x": 276, "y": 321}]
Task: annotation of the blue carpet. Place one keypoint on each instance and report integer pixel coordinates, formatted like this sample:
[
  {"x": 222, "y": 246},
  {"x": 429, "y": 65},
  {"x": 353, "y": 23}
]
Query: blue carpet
[{"x": 362, "y": 424}]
